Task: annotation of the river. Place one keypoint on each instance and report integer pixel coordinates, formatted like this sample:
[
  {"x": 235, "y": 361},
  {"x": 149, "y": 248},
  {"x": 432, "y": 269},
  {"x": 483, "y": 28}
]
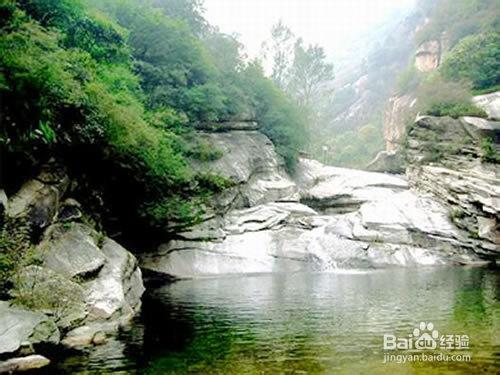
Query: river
[{"x": 307, "y": 323}]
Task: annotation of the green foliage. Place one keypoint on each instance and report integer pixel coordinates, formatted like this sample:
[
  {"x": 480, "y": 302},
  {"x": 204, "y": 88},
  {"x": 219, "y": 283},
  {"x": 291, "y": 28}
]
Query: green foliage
[
  {"x": 438, "y": 97},
  {"x": 454, "y": 110},
  {"x": 15, "y": 243},
  {"x": 279, "y": 118},
  {"x": 459, "y": 18},
  {"x": 408, "y": 80},
  {"x": 204, "y": 151},
  {"x": 125, "y": 82},
  {"x": 490, "y": 152},
  {"x": 475, "y": 58}
]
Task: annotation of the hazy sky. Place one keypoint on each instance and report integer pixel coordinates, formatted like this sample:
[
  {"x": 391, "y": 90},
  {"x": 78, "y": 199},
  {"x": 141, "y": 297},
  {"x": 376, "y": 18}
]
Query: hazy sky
[{"x": 331, "y": 23}]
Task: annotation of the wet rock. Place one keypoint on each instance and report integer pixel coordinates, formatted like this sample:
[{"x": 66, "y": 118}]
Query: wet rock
[
  {"x": 19, "y": 327},
  {"x": 31, "y": 362}
]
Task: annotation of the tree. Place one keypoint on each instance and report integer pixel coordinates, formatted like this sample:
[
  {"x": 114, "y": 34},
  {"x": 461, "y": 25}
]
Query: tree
[
  {"x": 309, "y": 74},
  {"x": 281, "y": 49}
]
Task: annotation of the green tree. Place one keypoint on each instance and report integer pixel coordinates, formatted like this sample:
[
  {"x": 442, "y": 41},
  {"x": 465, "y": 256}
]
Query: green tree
[
  {"x": 475, "y": 58},
  {"x": 310, "y": 74}
]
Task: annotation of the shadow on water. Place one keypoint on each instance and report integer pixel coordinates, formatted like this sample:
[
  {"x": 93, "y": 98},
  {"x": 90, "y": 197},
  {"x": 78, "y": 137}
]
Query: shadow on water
[{"x": 301, "y": 323}]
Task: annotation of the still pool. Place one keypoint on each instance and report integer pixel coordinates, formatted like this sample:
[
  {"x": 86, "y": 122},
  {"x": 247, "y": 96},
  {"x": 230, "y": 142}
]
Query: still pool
[{"x": 307, "y": 323}]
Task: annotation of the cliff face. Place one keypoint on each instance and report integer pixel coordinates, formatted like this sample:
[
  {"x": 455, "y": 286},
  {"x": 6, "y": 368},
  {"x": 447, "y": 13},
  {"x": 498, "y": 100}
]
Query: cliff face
[
  {"x": 428, "y": 56},
  {"x": 454, "y": 161}
]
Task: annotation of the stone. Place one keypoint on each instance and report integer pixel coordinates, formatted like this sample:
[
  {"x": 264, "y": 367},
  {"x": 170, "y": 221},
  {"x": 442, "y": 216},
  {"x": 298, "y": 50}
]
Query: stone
[
  {"x": 70, "y": 210},
  {"x": 363, "y": 220},
  {"x": 387, "y": 161},
  {"x": 428, "y": 55},
  {"x": 228, "y": 126},
  {"x": 71, "y": 250},
  {"x": 395, "y": 115},
  {"x": 459, "y": 178},
  {"x": 44, "y": 290},
  {"x": 31, "y": 362},
  {"x": 250, "y": 161},
  {"x": 18, "y": 327},
  {"x": 86, "y": 335},
  {"x": 490, "y": 103},
  {"x": 117, "y": 290},
  {"x": 39, "y": 198}
]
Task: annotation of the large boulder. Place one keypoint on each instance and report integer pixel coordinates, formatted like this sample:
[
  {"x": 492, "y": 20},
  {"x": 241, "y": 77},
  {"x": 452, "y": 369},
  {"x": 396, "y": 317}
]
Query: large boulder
[
  {"x": 117, "y": 290},
  {"x": 20, "y": 327}
]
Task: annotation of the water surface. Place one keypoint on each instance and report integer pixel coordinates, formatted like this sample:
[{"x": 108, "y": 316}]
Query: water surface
[{"x": 302, "y": 323}]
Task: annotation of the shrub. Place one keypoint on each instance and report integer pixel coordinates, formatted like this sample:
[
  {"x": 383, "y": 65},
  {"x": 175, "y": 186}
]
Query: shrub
[
  {"x": 438, "y": 97},
  {"x": 490, "y": 153},
  {"x": 476, "y": 59}
]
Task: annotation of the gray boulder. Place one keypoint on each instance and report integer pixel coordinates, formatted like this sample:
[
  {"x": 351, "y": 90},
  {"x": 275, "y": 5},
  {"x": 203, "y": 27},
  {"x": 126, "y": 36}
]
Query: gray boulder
[
  {"x": 72, "y": 251},
  {"x": 20, "y": 327}
]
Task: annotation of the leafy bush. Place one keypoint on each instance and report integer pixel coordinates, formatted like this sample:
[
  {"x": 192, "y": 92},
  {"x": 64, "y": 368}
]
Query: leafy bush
[
  {"x": 438, "y": 97},
  {"x": 490, "y": 153},
  {"x": 408, "y": 80},
  {"x": 475, "y": 58}
]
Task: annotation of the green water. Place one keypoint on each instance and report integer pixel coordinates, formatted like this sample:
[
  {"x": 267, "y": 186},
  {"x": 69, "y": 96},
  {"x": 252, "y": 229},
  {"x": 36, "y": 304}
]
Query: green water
[{"x": 304, "y": 323}]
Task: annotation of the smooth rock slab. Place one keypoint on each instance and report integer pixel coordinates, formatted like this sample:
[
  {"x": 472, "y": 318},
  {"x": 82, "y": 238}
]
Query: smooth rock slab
[{"x": 18, "y": 327}]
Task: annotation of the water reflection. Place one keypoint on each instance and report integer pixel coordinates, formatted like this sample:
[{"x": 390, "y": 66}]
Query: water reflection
[{"x": 303, "y": 322}]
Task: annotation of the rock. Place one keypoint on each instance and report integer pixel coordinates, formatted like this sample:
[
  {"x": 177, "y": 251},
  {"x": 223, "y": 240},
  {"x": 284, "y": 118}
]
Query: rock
[
  {"x": 3, "y": 207},
  {"x": 395, "y": 119},
  {"x": 85, "y": 336},
  {"x": 117, "y": 290},
  {"x": 18, "y": 327},
  {"x": 228, "y": 126},
  {"x": 251, "y": 163},
  {"x": 44, "y": 290},
  {"x": 490, "y": 103},
  {"x": 386, "y": 161},
  {"x": 445, "y": 160},
  {"x": 39, "y": 199},
  {"x": 72, "y": 251},
  {"x": 363, "y": 219},
  {"x": 31, "y": 362},
  {"x": 428, "y": 55},
  {"x": 70, "y": 210}
]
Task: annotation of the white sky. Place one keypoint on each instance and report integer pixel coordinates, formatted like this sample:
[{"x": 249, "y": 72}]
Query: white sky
[{"x": 330, "y": 23}]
